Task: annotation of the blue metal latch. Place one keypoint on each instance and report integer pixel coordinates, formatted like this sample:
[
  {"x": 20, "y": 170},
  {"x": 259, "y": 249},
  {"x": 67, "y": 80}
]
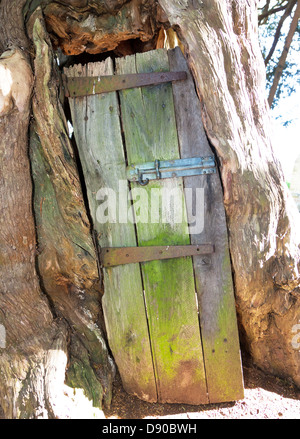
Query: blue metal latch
[{"x": 159, "y": 169}]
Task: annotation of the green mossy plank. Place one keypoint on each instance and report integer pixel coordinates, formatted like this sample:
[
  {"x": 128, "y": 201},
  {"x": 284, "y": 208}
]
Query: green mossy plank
[
  {"x": 150, "y": 133},
  {"x": 98, "y": 136},
  {"x": 213, "y": 273}
]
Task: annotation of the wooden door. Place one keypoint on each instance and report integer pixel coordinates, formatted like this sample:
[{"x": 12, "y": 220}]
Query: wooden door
[{"x": 171, "y": 323}]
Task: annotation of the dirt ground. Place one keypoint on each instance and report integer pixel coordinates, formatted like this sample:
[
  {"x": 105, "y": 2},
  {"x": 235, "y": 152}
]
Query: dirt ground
[{"x": 266, "y": 397}]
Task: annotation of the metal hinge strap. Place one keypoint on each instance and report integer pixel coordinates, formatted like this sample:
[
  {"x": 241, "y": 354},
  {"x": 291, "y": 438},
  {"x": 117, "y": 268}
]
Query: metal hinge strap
[
  {"x": 159, "y": 169},
  {"x": 113, "y": 256},
  {"x": 91, "y": 85}
]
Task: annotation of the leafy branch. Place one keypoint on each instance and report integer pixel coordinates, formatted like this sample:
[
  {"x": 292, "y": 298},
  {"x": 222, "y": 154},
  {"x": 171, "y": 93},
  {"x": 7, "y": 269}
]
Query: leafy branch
[{"x": 272, "y": 16}]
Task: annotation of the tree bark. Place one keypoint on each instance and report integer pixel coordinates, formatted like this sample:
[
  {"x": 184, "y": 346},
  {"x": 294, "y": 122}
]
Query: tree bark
[
  {"x": 50, "y": 311},
  {"x": 25, "y": 314},
  {"x": 28, "y": 325},
  {"x": 221, "y": 41},
  {"x": 67, "y": 258},
  {"x": 100, "y": 28}
]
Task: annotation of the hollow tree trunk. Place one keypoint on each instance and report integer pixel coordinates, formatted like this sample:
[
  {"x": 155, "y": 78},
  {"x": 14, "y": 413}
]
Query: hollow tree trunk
[
  {"x": 29, "y": 325},
  {"x": 222, "y": 45},
  {"x": 25, "y": 314},
  {"x": 67, "y": 258}
]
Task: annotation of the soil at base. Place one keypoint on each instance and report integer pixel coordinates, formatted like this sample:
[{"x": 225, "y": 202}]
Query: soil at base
[{"x": 266, "y": 397}]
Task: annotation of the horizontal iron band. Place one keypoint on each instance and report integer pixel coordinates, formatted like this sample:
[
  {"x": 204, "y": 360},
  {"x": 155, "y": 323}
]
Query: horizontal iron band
[
  {"x": 160, "y": 169},
  {"x": 91, "y": 85},
  {"x": 113, "y": 256}
]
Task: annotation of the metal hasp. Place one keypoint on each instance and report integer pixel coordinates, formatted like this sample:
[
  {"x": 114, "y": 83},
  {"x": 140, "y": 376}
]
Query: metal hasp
[
  {"x": 113, "y": 256},
  {"x": 143, "y": 173},
  {"x": 91, "y": 85}
]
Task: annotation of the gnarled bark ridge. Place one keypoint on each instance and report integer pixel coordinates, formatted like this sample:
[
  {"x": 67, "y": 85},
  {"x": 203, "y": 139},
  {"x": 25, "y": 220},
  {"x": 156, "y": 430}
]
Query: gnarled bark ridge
[{"x": 49, "y": 287}]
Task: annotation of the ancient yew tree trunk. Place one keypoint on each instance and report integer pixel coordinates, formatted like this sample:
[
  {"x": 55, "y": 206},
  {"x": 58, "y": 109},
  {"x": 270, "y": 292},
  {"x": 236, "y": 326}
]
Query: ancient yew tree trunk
[
  {"x": 50, "y": 293},
  {"x": 52, "y": 316}
]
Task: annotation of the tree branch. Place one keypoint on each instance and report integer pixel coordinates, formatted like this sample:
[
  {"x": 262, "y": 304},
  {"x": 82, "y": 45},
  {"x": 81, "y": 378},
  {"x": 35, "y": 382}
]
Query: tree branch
[
  {"x": 282, "y": 60},
  {"x": 286, "y": 14},
  {"x": 264, "y": 15}
]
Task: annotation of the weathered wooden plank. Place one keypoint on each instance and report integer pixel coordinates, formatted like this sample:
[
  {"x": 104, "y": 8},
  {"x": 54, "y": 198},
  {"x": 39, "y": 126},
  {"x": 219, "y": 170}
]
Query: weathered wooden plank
[
  {"x": 150, "y": 133},
  {"x": 98, "y": 135},
  {"x": 213, "y": 273}
]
